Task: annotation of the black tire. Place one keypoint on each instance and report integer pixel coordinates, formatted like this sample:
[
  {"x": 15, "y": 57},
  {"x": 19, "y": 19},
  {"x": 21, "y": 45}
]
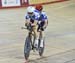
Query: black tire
[
  {"x": 41, "y": 49},
  {"x": 27, "y": 48}
]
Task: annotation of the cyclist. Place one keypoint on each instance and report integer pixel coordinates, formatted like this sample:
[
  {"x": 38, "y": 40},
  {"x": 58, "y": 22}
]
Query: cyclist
[
  {"x": 42, "y": 20},
  {"x": 32, "y": 19}
]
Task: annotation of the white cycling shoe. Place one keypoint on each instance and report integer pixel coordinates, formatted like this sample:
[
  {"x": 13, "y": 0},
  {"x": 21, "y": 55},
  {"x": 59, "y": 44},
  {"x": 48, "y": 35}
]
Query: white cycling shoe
[
  {"x": 41, "y": 44},
  {"x": 36, "y": 44}
]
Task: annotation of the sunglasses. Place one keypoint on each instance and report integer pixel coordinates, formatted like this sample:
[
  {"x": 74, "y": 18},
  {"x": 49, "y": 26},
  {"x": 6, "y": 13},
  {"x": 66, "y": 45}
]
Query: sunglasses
[{"x": 30, "y": 12}]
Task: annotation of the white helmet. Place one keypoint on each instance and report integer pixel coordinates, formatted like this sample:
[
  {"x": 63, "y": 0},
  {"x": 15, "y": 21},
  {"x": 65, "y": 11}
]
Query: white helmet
[{"x": 30, "y": 9}]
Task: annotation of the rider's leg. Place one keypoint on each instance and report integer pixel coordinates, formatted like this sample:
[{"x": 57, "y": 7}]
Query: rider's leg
[
  {"x": 42, "y": 38},
  {"x": 42, "y": 33},
  {"x": 36, "y": 37}
]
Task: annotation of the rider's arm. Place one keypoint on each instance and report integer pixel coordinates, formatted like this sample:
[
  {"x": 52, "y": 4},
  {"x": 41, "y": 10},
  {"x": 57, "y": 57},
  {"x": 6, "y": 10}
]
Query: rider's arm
[
  {"x": 35, "y": 23},
  {"x": 46, "y": 23},
  {"x": 45, "y": 19},
  {"x": 27, "y": 20}
]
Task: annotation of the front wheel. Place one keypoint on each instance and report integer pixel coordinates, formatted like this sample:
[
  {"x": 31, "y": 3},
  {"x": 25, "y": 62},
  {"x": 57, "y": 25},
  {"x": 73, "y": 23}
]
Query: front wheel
[{"x": 27, "y": 48}]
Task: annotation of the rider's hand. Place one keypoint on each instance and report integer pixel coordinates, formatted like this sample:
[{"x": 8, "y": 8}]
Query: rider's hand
[
  {"x": 32, "y": 24},
  {"x": 25, "y": 24},
  {"x": 42, "y": 28}
]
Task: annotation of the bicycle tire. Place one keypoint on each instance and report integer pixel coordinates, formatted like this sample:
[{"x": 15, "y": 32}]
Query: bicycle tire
[
  {"x": 27, "y": 48},
  {"x": 41, "y": 49}
]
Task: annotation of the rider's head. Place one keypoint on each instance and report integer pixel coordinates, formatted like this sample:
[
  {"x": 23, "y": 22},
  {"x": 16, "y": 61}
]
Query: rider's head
[
  {"x": 30, "y": 10},
  {"x": 39, "y": 7}
]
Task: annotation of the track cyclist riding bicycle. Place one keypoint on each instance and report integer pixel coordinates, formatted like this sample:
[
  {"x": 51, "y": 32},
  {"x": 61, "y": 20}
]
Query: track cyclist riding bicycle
[
  {"x": 42, "y": 21},
  {"x": 31, "y": 21},
  {"x": 37, "y": 20}
]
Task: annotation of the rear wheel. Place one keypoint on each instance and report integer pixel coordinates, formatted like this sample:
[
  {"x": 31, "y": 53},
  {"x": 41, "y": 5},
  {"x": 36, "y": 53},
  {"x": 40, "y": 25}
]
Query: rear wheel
[{"x": 41, "y": 49}]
